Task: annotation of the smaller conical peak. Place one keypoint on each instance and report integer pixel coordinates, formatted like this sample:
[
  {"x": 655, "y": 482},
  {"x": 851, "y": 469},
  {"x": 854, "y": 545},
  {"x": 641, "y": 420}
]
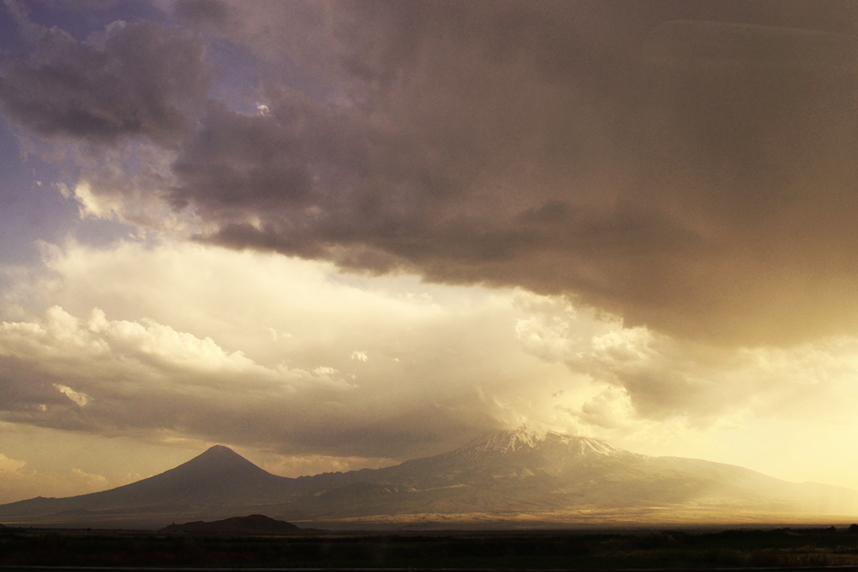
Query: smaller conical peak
[
  {"x": 219, "y": 457},
  {"x": 219, "y": 450}
]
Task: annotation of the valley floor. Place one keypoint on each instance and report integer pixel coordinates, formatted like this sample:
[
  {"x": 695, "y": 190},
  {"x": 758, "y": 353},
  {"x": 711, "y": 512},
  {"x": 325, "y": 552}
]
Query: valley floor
[{"x": 782, "y": 548}]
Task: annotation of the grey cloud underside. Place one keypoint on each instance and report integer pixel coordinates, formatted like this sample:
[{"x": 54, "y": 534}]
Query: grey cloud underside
[
  {"x": 641, "y": 157},
  {"x": 140, "y": 80},
  {"x": 514, "y": 146},
  {"x": 138, "y": 393},
  {"x": 311, "y": 423}
]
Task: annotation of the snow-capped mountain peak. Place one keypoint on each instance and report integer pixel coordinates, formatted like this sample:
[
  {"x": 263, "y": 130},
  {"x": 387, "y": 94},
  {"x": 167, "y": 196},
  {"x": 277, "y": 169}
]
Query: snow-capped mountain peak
[
  {"x": 525, "y": 438},
  {"x": 586, "y": 445},
  {"x": 507, "y": 441}
]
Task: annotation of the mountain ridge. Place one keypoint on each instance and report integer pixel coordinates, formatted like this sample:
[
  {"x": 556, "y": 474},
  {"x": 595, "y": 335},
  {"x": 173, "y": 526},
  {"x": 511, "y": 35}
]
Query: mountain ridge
[
  {"x": 504, "y": 475},
  {"x": 510, "y": 441}
]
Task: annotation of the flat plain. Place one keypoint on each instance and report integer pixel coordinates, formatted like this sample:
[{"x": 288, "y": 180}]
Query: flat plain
[{"x": 700, "y": 548}]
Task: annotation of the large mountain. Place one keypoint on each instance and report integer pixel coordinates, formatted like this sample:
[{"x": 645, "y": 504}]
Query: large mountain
[{"x": 515, "y": 477}]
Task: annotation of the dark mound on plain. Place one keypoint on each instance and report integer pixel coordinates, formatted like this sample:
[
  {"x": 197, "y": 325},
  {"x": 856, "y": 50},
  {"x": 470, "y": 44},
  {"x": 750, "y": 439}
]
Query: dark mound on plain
[{"x": 253, "y": 524}]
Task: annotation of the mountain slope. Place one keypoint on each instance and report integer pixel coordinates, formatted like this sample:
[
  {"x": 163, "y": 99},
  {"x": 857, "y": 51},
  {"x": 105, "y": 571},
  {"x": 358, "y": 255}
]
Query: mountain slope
[
  {"x": 217, "y": 479},
  {"x": 503, "y": 475},
  {"x": 520, "y": 472}
]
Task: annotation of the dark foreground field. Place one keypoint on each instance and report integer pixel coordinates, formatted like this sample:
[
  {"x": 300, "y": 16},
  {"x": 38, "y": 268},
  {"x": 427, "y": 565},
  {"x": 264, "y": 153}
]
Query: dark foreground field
[{"x": 783, "y": 547}]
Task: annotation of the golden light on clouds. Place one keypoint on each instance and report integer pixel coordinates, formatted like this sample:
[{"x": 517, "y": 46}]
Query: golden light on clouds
[
  {"x": 449, "y": 360},
  {"x": 340, "y": 235}
]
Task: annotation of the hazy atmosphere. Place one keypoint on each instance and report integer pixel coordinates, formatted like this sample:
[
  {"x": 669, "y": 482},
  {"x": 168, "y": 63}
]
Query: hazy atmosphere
[{"x": 338, "y": 235}]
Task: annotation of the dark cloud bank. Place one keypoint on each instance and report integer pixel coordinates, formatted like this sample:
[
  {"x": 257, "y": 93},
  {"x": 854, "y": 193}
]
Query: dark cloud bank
[
  {"x": 690, "y": 166},
  {"x": 138, "y": 80}
]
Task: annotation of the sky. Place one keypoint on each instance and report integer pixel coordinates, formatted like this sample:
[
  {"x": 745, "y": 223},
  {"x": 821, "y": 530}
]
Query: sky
[{"x": 338, "y": 235}]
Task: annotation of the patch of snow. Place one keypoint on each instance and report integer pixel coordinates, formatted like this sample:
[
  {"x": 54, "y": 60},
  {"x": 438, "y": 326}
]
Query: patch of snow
[
  {"x": 553, "y": 444},
  {"x": 507, "y": 441},
  {"x": 524, "y": 438}
]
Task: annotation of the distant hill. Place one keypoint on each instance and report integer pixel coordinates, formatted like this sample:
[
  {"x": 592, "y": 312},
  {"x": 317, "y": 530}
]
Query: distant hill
[
  {"x": 514, "y": 477},
  {"x": 253, "y": 524}
]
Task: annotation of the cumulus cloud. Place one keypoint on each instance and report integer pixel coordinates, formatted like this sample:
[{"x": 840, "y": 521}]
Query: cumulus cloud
[
  {"x": 116, "y": 106},
  {"x": 21, "y": 482},
  {"x": 297, "y": 465},
  {"x": 610, "y": 409},
  {"x": 101, "y": 375},
  {"x": 647, "y": 375},
  {"x": 178, "y": 351},
  {"x": 97, "y": 482},
  {"x": 71, "y": 339},
  {"x": 8, "y": 465},
  {"x": 80, "y": 398}
]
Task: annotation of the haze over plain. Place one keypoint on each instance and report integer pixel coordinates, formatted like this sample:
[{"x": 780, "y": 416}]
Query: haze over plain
[
  {"x": 341, "y": 235},
  {"x": 507, "y": 479}
]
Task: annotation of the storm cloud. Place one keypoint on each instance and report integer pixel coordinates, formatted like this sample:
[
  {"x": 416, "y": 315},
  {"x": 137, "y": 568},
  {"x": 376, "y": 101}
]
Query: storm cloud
[
  {"x": 687, "y": 167},
  {"x": 341, "y": 234},
  {"x": 698, "y": 177},
  {"x": 139, "y": 79}
]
